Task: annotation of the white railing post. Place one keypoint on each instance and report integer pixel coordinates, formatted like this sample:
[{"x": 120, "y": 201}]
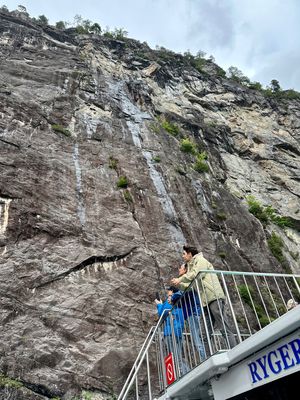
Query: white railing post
[
  {"x": 204, "y": 318},
  {"x": 138, "y": 363},
  {"x": 231, "y": 310},
  {"x": 133, "y": 369},
  {"x": 136, "y": 386},
  {"x": 148, "y": 376}
]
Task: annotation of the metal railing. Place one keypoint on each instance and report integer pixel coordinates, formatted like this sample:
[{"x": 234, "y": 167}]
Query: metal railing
[{"x": 218, "y": 310}]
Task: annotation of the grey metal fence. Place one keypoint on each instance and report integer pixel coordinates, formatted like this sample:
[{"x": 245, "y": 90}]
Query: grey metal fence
[{"x": 197, "y": 327}]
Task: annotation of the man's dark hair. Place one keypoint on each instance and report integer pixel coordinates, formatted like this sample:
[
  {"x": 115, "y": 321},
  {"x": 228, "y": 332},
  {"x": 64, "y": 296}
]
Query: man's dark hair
[{"x": 190, "y": 249}]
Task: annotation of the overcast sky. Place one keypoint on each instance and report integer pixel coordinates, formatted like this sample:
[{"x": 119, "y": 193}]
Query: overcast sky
[{"x": 260, "y": 37}]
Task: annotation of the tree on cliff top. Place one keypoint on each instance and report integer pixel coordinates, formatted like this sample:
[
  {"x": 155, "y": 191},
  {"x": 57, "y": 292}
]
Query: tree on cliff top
[
  {"x": 275, "y": 87},
  {"x": 22, "y": 8},
  {"x": 84, "y": 26},
  {"x": 42, "y": 19},
  {"x": 237, "y": 75}
]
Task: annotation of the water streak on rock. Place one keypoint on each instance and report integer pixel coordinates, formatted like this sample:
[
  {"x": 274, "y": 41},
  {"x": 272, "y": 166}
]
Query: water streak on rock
[
  {"x": 201, "y": 197},
  {"x": 4, "y": 207},
  {"x": 79, "y": 193},
  {"x": 134, "y": 124}
]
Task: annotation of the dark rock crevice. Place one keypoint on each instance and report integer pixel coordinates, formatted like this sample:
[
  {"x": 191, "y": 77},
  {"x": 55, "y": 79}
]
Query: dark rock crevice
[
  {"x": 7, "y": 165},
  {"x": 10, "y": 143},
  {"x": 41, "y": 390},
  {"x": 152, "y": 255},
  {"x": 89, "y": 261},
  {"x": 288, "y": 147}
]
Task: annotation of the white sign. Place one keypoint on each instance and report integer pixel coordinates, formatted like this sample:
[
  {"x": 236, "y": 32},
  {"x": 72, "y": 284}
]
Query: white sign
[{"x": 274, "y": 362}]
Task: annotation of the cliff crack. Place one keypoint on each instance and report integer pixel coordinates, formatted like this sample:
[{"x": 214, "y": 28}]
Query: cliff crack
[
  {"x": 7, "y": 165},
  {"x": 10, "y": 143},
  {"x": 85, "y": 263},
  {"x": 40, "y": 389},
  {"x": 147, "y": 247}
]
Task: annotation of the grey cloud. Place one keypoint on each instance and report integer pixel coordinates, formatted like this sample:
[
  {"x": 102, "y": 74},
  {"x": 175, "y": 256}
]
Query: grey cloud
[
  {"x": 259, "y": 37},
  {"x": 284, "y": 68},
  {"x": 211, "y": 22}
]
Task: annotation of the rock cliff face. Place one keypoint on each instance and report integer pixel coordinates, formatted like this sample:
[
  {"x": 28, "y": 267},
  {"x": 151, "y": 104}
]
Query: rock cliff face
[{"x": 81, "y": 257}]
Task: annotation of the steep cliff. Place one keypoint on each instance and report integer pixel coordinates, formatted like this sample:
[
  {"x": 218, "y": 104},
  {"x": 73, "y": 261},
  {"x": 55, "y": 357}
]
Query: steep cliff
[{"x": 98, "y": 192}]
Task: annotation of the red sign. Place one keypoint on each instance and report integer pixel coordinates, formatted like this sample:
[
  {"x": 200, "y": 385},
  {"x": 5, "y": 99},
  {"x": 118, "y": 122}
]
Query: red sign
[{"x": 170, "y": 369}]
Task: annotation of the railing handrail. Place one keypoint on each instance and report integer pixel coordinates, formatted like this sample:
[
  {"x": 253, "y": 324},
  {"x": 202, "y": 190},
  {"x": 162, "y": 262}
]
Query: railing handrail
[
  {"x": 136, "y": 367},
  {"x": 239, "y": 273},
  {"x": 144, "y": 352},
  {"x": 247, "y": 273},
  {"x": 136, "y": 361}
]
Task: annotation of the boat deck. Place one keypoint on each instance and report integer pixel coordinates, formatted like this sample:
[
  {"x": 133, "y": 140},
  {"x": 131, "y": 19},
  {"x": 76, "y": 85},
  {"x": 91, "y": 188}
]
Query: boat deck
[{"x": 229, "y": 373}]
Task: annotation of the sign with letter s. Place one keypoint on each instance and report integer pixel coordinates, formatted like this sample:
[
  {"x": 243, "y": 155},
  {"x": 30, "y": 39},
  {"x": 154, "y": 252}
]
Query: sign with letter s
[{"x": 170, "y": 369}]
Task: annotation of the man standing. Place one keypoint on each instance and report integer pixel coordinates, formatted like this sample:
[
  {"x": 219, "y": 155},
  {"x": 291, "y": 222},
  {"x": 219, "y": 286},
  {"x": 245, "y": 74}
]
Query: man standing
[
  {"x": 190, "y": 304},
  {"x": 211, "y": 292}
]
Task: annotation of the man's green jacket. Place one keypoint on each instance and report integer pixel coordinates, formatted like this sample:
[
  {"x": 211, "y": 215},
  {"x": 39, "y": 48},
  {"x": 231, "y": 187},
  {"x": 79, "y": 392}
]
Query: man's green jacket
[{"x": 209, "y": 285}]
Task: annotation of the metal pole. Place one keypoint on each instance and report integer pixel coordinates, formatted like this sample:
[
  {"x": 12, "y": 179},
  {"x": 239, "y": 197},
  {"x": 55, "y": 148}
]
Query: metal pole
[
  {"x": 162, "y": 359},
  {"x": 191, "y": 323},
  {"x": 132, "y": 371},
  {"x": 231, "y": 309},
  {"x": 136, "y": 387},
  {"x": 204, "y": 318},
  {"x": 279, "y": 290},
  {"x": 288, "y": 288},
  {"x": 199, "y": 325},
  {"x": 242, "y": 304},
  {"x": 149, "y": 378},
  {"x": 158, "y": 363},
  {"x": 271, "y": 296},
  {"x": 187, "y": 352},
  {"x": 252, "y": 303},
  {"x": 125, "y": 391},
  {"x": 221, "y": 311},
  {"x": 296, "y": 284},
  {"x": 174, "y": 345},
  {"x": 261, "y": 298}
]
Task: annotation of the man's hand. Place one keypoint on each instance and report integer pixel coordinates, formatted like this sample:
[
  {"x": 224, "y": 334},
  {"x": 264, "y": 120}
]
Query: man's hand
[
  {"x": 175, "y": 281},
  {"x": 158, "y": 301}
]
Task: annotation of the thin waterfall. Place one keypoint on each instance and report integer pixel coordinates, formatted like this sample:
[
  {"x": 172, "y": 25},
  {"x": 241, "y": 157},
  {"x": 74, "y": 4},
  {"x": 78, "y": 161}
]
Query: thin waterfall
[
  {"x": 4, "y": 207},
  {"x": 134, "y": 125},
  {"x": 79, "y": 192}
]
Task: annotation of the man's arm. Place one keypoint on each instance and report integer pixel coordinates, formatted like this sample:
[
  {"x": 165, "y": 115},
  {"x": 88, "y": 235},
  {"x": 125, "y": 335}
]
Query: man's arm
[
  {"x": 183, "y": 286},
  {"x": 180, "y": 282},
  {"x": 189, "y": 275},
  {"x": 199, "y": 264},
  {"x": 184, "y": 280}
]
